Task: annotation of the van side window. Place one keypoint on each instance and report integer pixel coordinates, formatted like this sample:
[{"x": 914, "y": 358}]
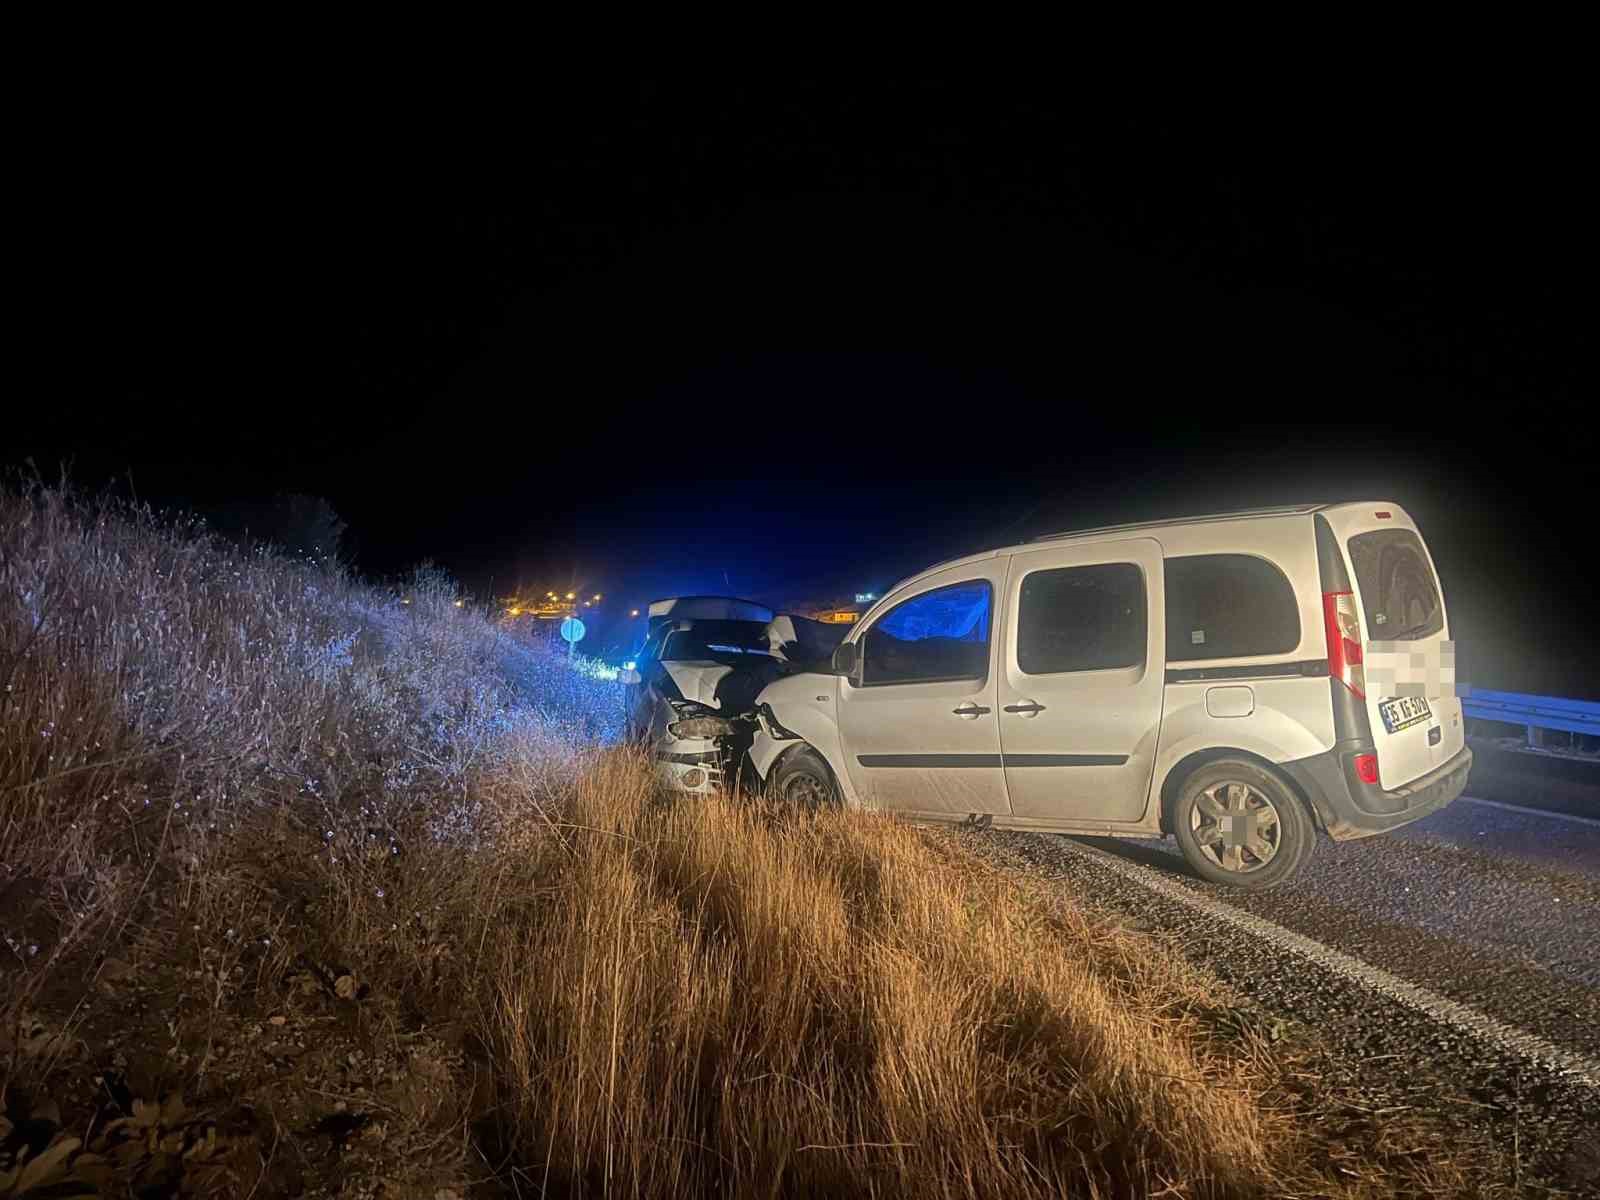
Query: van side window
[
  {"x": 1081, "y": 619},
  {"x": 942, "y": 634},
  {"x": 1228, "y": 606}
]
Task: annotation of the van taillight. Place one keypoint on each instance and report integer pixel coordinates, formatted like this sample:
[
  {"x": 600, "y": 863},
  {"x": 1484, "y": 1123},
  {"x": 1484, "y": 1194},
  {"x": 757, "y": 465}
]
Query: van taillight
[
  {"x": 1344, "y": 641},
  {"x": 1367, "y": 768}
]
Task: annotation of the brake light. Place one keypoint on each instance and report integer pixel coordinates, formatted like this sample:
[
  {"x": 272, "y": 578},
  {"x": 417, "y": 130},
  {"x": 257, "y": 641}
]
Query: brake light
[
  {"x": 1344, "y": 641},
  {"x": 1367, "y": 768},
  {"x": 1383, "y": 516}
]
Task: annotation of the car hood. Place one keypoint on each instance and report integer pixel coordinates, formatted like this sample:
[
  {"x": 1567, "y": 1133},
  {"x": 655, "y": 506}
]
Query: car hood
[
  {"x": 730, "y": 690},
  {"x": 697, "y": 681},
  {"x": 796, "y": 644}
]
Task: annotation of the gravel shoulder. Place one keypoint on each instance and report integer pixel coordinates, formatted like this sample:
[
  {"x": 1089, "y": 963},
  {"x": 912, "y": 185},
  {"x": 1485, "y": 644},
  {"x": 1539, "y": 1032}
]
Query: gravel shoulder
[
  {"x": 1543, "y": 1121},
  {"x": 1497, "y": 910}
]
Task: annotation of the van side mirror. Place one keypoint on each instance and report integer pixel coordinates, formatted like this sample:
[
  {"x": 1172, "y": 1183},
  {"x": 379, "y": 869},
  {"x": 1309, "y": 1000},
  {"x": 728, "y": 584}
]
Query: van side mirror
[{"x": 845, "y": 659}]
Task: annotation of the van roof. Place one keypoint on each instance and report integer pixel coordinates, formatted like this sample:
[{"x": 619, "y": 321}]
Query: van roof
[{"x": 1243, "y": 514}]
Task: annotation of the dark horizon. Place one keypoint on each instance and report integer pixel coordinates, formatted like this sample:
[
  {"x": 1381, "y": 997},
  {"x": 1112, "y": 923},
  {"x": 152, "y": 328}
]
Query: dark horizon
[{"x": 525, "y": 375}]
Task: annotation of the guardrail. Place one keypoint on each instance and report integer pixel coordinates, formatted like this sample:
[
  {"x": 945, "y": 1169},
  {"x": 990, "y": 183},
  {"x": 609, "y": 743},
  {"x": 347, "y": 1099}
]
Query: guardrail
[{"x": 1535, "y": 714}]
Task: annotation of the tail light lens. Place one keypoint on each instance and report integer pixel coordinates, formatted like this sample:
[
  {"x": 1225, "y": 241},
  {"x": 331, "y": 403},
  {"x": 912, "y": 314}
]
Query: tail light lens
[
  {"x": 1344, "y": 641},
  {"x": 1367, "y": 768}
]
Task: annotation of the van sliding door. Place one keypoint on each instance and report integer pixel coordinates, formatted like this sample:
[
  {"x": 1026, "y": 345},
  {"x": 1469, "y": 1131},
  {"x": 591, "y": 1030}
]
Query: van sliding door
[{"x": 1082, "y": 680}]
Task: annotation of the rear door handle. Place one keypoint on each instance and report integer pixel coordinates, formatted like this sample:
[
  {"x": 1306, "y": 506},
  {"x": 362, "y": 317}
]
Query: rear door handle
[
  {"x": 1027, "y": 708},
  {"x": 971, "y": 711}
]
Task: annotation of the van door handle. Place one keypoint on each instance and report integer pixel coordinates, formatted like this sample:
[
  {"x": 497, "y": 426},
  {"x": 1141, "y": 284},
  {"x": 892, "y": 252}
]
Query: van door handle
[
  {"x": 971, "y": 711},
  {"x": 1027, "y": 708}
]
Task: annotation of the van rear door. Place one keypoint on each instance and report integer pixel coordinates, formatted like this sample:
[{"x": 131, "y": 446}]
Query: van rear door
[{"x": 1408, "y": 658}]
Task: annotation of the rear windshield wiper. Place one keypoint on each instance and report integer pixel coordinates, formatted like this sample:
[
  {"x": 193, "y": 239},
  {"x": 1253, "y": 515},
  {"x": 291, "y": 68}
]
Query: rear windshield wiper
[{"x": 1405, "y": 635}]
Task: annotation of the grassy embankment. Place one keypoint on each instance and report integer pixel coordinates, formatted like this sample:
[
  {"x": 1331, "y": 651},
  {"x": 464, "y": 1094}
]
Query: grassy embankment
[{"x": 304, "y": 886}]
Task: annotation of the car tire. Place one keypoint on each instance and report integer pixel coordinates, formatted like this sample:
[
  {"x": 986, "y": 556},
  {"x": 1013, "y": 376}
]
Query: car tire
[
  {"x": 1241, "y": 825},
  {"x": 802, "y": 781}
]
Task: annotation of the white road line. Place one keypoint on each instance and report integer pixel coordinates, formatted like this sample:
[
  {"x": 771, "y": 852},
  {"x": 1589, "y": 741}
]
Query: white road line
[
  {"x": 1440, "y": 1008},
  {"x": 1531, "y": 812}
]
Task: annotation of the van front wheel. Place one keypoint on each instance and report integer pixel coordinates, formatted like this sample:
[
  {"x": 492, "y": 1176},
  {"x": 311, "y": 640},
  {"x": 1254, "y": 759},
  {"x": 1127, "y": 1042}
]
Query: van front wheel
[
  {"x": 1240, "y": 825},
  {"x": 803, "y": 781}
]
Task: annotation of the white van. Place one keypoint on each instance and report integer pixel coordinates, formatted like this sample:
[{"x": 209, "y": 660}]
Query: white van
[{"x": 1205, "y": 678}]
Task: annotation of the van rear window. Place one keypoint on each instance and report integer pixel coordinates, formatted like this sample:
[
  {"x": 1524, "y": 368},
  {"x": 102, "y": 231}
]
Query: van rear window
[
  {"x": 1228, "y": 606},
  {"x": 1398, "y": 593}
]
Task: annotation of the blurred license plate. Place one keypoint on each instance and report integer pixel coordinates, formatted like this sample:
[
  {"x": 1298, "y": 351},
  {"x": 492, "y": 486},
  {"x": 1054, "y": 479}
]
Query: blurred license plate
[{"x": 1403, "y": 712}]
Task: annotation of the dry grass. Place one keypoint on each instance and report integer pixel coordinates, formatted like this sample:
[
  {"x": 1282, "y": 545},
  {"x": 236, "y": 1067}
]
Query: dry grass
[
  {"x": 715, "y": 998},
  {"x": 310, "y": 857}
]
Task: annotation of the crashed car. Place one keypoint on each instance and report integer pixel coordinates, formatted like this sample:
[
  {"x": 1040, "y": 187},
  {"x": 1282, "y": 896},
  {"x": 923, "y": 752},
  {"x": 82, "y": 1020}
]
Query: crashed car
[{"x": 690, "y": 697}]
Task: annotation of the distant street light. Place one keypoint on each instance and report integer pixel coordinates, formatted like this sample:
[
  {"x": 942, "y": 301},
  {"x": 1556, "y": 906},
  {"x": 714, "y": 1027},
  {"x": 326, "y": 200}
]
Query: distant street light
[{"x": 634, "y": 613}]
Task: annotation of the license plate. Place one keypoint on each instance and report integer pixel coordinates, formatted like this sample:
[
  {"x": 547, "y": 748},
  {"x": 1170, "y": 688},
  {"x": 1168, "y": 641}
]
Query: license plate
[{"x": 1403, "y": 712}]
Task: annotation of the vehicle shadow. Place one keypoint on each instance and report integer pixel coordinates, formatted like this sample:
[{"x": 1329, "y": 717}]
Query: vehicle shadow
[{"x": 1145, "y": 852}]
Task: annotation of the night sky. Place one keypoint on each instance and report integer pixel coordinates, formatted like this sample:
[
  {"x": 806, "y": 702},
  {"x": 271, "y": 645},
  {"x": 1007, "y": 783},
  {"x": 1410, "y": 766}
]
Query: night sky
[{"x": 795, "y": 339}]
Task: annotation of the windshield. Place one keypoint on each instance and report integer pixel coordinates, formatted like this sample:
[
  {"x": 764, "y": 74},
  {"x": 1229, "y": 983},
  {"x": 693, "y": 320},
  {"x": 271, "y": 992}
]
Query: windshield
[
  {"x": 717, "y": 641},
  {"x": 1398, "y": 593}
]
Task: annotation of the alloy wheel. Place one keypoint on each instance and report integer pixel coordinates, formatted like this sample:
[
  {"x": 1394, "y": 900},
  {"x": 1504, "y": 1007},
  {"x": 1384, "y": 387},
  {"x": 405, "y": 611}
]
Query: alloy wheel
[{"x": 1236, "y": 826}]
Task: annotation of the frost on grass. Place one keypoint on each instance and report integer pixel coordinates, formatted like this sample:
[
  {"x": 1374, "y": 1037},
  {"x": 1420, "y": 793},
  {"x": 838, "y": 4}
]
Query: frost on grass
[
  {"x": 161, "y": 683},
  {"x": 223, "y": 774}
]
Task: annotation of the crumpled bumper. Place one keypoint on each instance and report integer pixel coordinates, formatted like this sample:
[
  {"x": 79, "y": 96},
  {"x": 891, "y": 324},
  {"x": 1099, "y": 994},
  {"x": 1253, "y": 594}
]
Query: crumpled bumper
[{"x": 690, "y": 767}]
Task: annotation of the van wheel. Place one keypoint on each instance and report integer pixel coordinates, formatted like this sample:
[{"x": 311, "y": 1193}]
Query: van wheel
[
  {"x": 803, "y": 781},
  {"x": 1240, "y": 825}
]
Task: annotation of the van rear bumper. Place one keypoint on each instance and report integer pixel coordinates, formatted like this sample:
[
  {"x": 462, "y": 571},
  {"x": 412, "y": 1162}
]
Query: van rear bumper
[{"x": 1351, "y": 809}]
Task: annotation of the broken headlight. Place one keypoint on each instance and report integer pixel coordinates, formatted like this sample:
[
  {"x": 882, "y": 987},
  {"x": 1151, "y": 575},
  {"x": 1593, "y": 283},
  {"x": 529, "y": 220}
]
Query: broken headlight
[{"x": 701, "y": 727}]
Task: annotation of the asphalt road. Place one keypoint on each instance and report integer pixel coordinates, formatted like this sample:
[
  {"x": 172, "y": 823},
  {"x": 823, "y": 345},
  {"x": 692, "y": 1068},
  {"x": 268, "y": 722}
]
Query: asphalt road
[
  {"x": 1454, "y": 962},
  {"x": 1495, "y": 908}
]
